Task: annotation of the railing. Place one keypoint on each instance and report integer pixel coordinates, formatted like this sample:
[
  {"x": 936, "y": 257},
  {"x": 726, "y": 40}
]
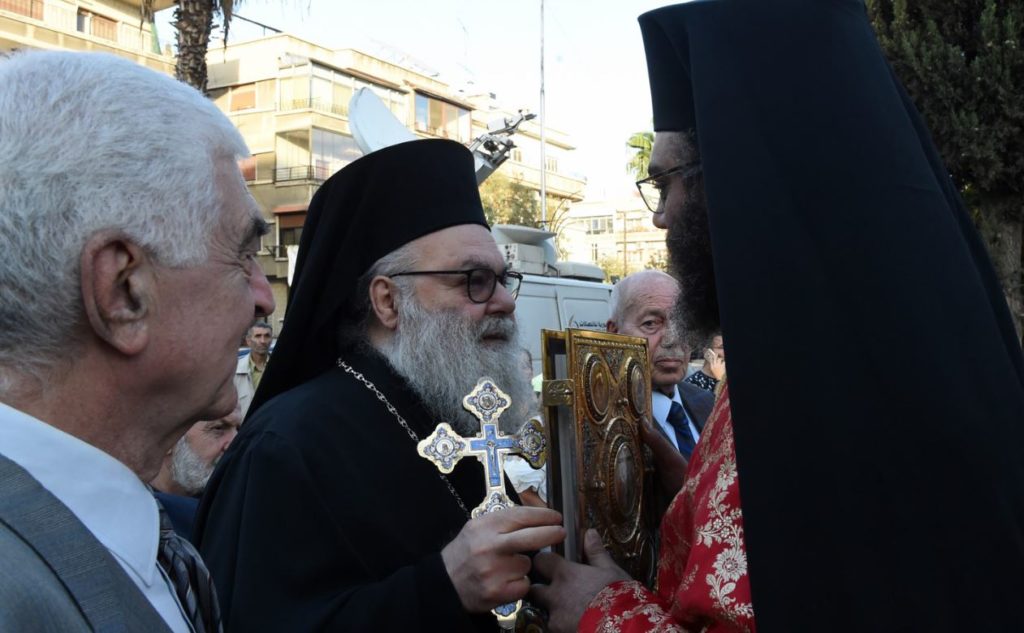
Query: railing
[
  {"x": 64, "y": 17},
  {"x": 320, "y": 105},
  {"x": 301, "y": 172},
  {"x": 277, "y": 251}
]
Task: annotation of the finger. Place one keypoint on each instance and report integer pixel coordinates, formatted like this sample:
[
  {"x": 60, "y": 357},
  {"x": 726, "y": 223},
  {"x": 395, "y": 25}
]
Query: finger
[
  {"x": 514, "y": 590},
  {"x": 594, "y": 549},
  {"x": 541, "y": 595},
  {"x": 517, "y": 565},
  {"x": 547, "y": 563},
  {"x": 519, "y": 517},
  {"x": 531, "y": 538}
]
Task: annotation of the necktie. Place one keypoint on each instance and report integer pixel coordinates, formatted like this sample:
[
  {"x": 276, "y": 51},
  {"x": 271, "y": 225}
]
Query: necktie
[
  {"x": 677, "y": 420},
  {"x": 191, "y": 579}
]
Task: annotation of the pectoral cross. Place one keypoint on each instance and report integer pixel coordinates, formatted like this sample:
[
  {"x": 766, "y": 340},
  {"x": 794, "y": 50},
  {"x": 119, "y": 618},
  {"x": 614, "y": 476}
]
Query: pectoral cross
[{"x": 444, "y": 447}]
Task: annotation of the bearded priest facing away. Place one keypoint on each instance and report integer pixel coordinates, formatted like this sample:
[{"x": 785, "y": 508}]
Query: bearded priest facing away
[{"x": 322, "y": 516}]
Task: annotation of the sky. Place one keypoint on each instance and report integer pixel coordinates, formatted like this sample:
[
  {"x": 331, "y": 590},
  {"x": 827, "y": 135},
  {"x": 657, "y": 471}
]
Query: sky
[{"x": 595, "y": 72}]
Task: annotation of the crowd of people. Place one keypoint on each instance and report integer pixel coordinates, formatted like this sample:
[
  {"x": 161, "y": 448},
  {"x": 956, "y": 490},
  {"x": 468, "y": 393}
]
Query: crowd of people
[{"x": 807, "y": 215}]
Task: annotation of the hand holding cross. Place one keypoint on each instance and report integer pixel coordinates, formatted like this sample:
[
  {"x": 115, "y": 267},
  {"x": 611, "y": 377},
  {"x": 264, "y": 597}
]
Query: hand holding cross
[{"x": 484, "y": 561}]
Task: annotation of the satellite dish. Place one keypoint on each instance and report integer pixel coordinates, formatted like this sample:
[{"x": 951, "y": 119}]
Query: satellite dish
[
  {"x": 374, "y": 127},
  {"x": 372, "y": 123}
]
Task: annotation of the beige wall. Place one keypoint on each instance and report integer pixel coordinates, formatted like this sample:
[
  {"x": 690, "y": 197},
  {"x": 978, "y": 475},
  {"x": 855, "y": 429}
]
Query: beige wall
[{"x": 108, "y": 26}]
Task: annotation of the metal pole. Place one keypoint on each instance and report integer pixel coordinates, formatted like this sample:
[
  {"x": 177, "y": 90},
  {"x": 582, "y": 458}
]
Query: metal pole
[
  {"x": 625, "y": 270},
  {"x": 543, "y": 160}
]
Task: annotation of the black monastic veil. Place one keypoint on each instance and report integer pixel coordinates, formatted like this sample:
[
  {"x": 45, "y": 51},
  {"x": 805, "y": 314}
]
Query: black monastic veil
[{"x": 875, "y": 377}]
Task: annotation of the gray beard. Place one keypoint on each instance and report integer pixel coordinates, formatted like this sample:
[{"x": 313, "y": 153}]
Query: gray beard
[
  {"x": 188, "y": 470},
  {"x": 442, "y": 356}
]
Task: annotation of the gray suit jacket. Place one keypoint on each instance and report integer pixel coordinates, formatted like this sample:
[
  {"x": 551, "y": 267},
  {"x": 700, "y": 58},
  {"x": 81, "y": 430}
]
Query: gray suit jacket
[{"x": 54, "y": 575}]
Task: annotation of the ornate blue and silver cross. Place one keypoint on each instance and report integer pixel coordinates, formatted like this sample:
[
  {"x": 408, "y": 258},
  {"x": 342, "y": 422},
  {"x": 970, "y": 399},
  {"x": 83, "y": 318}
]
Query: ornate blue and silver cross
[{"x": 444, "y": 447}]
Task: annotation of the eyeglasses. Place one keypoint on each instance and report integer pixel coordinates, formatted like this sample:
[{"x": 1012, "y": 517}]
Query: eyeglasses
[
  {"x": 650, "y": 187},
  {"x": 480, "y": 282}
]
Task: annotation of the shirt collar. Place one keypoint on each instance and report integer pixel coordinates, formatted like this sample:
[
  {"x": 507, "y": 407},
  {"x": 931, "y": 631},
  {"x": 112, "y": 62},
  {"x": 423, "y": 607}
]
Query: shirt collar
[
  {"x": 662, "y": 403},
  {"x": 106, "y": 496}
]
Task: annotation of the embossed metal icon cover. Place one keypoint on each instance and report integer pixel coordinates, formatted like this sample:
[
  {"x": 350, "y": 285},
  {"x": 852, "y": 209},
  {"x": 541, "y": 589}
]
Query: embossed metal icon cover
[{"x": 597, "y": 389}]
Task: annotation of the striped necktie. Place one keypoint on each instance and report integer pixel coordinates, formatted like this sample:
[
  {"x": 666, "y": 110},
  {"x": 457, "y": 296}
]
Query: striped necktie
[
  {"x": 684, "y": 438},
  {"x": 191, "y": 579}
]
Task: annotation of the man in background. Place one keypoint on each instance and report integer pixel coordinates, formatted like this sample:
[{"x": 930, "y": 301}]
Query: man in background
[
  {"x": 641, "y": 305},
  {"x": 251, "y": 366},
  {"x": 188, "y": 466}
]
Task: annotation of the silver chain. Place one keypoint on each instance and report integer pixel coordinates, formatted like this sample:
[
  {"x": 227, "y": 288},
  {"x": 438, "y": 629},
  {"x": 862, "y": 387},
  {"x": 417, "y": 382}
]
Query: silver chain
[{"x": 405, "y": 425}]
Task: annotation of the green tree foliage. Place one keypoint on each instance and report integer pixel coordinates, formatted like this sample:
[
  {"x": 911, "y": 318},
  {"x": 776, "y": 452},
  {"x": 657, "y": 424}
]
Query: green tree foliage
[
  {"x": 613, "y": 267},
  {"x": 641, "y": 144},
  {"x": 509, "y": 201},
  {"x": 963, "y": 64},
  {"x": 658, "y": 261}
]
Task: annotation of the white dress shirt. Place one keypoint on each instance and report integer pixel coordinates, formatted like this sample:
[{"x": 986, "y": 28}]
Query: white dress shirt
[
  {"x": 660, "y": 408},
  {"x": 106, "y": 496}
]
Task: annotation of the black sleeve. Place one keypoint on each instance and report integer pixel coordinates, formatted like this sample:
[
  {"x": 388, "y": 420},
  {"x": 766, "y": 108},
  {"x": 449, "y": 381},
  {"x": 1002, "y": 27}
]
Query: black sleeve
[{"x": 320, "y": 578}]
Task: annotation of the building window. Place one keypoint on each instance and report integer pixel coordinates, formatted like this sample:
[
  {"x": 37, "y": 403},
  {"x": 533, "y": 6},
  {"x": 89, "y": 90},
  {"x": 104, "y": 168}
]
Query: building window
[
  {"x": 243, "y": 97},
  {"x": 28, "y": 8},
  {"x": 593, "y": 252},
  {"x": 517, "y": 155},
  {"x": 550, "y": 164},
  {"x": 442, "y": 118},
  {"x": 290, "y": 236},
  {"x": 331, "y": 152},
  {"x": 598, "y": 226},
  {"x": 93, "y": 24}
]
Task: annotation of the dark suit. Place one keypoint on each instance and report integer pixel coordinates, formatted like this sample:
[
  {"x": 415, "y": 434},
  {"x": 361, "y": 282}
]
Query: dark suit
[
  {"x": 55, "y": 576},
  {"x": 181, "y": 510},
  {"x": 697, "y": 402}
]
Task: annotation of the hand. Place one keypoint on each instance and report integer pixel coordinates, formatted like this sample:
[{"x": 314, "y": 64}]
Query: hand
[
  {"x": 669, "y": 463},
  {"x": 715, "y": 364},
  {"x": 484, "y": 561},
  {"x": 573, "y": 585}
]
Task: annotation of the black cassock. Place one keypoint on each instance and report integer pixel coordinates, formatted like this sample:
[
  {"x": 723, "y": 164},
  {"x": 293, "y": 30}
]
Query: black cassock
[{"x": 322, "y": 516}]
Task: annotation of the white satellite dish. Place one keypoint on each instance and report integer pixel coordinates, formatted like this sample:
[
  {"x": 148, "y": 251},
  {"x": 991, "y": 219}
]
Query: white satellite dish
[{"x": 373, "y": 125}]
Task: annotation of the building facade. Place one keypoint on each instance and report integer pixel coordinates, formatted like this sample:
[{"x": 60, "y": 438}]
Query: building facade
[
  {"x": 108, "y": 26},
  {"x": 616, "y": 234},
  {"x": 289, "y": 98}
]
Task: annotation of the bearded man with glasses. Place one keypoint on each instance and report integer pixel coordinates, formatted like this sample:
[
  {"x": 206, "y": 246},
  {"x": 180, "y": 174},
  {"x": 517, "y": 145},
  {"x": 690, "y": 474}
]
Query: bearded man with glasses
[{"x": 322, "y": 516}]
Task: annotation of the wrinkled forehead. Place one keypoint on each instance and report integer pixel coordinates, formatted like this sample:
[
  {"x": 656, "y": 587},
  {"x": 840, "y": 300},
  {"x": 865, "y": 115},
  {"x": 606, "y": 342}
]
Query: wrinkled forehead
[{"x": 458, "y": 247}]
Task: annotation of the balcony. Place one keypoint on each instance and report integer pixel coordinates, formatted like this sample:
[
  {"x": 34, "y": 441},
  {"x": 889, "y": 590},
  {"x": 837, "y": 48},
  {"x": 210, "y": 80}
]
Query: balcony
[
  {"x": 298, "y": 173},
  {"x": 55, "y": 24},
  {"x": 316, "y": 104}
]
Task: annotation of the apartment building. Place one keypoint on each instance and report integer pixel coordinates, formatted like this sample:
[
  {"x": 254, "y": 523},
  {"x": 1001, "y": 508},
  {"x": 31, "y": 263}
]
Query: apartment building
[
  {"x": 289, "y": 98},
  {"x": 109, "y": 26},
  {"x": 616, "y": 234}
]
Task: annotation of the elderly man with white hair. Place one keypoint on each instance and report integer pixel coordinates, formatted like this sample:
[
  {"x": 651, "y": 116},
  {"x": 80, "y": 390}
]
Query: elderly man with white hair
[{"x": 130, "y": 276}]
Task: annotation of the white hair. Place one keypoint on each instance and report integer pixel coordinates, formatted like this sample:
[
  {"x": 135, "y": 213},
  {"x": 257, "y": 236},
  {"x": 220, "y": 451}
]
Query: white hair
[
  {"x": 621, "y": 300},
  {"x": 92, "y": 142}
]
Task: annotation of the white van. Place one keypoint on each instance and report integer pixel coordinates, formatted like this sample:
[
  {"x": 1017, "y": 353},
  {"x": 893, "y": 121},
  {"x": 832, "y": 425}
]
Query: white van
[
  {"x": 554, "y": 295},
  {"x": 556, "y": 303}
]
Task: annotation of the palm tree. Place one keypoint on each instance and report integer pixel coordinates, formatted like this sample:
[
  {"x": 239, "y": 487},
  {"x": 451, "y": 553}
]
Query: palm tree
[
  {"x": 641, "y": 142},
  {"x": 193, "y": 20}
]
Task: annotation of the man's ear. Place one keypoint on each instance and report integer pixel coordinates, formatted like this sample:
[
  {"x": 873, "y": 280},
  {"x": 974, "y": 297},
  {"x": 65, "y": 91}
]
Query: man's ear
[
  {"x": 117, "y": 291},
  {"x": 611, "y": 327},
  {"x": 383, "y": 299}
]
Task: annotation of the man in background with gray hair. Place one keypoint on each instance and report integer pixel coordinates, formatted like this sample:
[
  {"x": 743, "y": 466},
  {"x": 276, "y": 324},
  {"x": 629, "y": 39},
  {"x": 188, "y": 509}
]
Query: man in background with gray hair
[
  {"x": 187, "y": 468},
  {"x": 127, "y": 230},
  {"x": 641, "y": 305}
]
